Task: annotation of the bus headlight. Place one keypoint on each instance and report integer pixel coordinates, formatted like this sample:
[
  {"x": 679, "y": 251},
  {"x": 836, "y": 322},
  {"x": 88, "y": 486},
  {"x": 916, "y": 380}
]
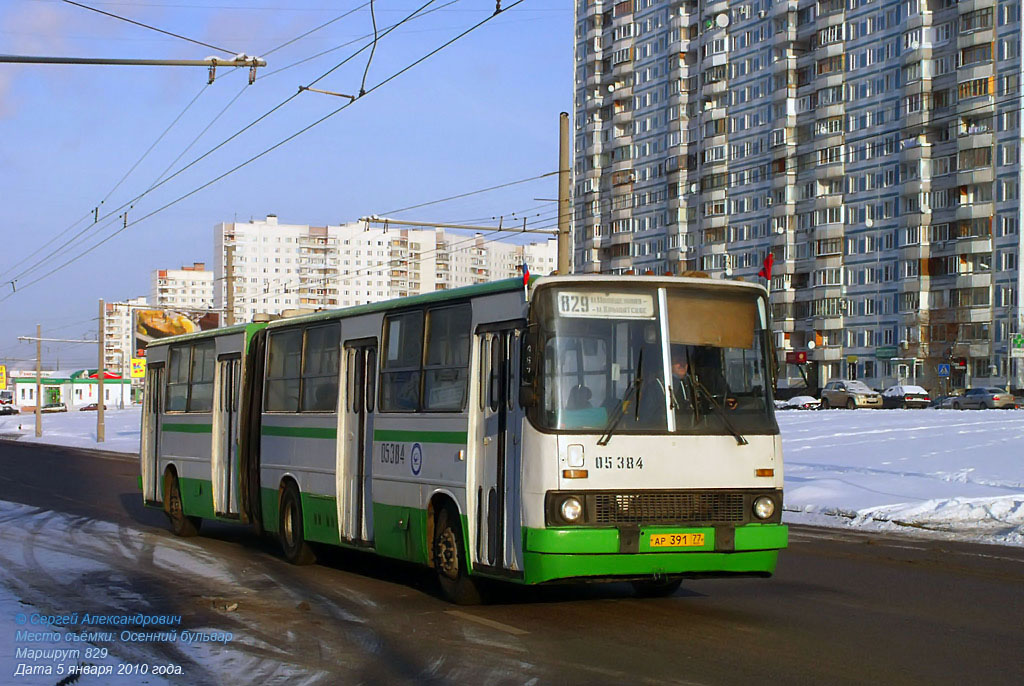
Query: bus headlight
[
  {"x": 572, "y": 509},
  {"x": 764, "y": 507}
]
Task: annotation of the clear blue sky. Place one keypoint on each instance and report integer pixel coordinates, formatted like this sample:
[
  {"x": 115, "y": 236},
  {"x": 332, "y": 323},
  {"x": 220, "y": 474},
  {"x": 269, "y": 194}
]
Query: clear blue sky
[{"x": 482, "y": 112}]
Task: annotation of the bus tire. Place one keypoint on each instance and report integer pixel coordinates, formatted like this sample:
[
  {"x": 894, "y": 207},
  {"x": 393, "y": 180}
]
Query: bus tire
[
  {"x": 293, "y": 542},
  {"x": 449, "y": 556},
  {"x": 181, "y": 524},
  {"x": 656, "y": 588}
]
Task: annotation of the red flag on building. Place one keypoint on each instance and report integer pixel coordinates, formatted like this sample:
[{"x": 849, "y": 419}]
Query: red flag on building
[{"x": 766, "y": 270}]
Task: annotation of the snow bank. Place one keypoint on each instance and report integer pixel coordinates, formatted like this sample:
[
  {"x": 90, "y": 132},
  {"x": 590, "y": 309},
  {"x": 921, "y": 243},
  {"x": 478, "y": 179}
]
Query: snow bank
[{"x": 938, "y": 471}]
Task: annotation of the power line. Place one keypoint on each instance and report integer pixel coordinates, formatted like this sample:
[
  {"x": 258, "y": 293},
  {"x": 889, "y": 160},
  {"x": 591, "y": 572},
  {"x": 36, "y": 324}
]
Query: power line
[
  {"x": 466, "y": 195},
  {"x": 276, "y": 145},
  {"x": 151, "y": 28},
  {"x": 129, "y": 204}
]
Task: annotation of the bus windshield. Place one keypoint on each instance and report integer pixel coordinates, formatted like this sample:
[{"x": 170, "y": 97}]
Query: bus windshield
[{"x": 643, "y": 360}]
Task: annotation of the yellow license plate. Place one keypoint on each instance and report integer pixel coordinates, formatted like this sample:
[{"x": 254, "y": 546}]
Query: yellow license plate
[{"x": 677, "y": 540}]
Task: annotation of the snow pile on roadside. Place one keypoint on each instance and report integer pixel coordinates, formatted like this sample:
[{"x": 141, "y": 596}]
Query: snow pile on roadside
[
  {"x": 78, "y": 429},
  {"x": 927, "y": 470}
]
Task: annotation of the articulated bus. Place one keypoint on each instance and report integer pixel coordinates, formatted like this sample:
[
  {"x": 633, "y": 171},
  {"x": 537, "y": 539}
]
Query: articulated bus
[{"x": 583, "y": 428}]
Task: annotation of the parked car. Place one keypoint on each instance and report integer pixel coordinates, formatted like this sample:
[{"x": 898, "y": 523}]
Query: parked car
[
  {"x": 849, "y": 394},
  {"x": 9, "y": 409},
  {"x": 801, "y": 402},
  {"x": 54, "y": 407},
  {"x": 986, "y": 398},
  {"x": 905, "y": 397},
  {"x": 90, "y": 406}
]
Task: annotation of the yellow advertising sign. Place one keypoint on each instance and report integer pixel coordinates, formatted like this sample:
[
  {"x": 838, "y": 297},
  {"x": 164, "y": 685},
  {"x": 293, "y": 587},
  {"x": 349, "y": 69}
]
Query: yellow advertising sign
[
  {"x": 138, "y": 368},
  {"x": 3, "y": 376}
]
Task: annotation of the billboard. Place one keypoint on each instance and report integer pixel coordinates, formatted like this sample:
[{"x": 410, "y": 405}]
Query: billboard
[{"x": 151, "y": 324}]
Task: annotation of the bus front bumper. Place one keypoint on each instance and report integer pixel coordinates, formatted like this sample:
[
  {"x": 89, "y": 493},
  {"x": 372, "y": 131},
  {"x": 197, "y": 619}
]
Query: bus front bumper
[{"x": 610, "y": 553}]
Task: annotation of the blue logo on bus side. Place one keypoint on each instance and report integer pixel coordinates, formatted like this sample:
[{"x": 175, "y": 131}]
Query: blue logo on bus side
[{"x": 416, "y": 458}]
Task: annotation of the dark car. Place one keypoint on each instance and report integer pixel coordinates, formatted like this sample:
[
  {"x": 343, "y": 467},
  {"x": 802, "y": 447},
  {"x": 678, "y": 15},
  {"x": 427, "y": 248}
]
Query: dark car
[
  {"x": 9, "y": 409},
  {"x": 905, "y": 397},
  {"x": 90, "y": 406}
]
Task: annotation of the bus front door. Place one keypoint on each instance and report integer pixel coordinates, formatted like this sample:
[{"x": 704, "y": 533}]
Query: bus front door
[
  {"x": 225, "y": 450},
  {"x": 150, "y": 453},
  {"x": 355, "y": 474},
  {"x": 499, "y": 495}
]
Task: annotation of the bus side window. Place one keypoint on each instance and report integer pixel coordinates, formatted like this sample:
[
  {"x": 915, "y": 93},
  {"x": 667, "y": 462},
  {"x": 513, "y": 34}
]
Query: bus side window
[{"x": 485, "y": 359}]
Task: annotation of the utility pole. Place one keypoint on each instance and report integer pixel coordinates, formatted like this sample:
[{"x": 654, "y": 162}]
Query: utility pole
[
  {"x": 39, "y": 380},
  {"x": 229, "y": 276},
  {"x": 564, "y": 259},
  {"x": 99, "y": 378}
]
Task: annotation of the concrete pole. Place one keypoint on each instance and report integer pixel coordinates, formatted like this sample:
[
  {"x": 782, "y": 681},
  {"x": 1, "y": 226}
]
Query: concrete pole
[
  {"x": 229, "y": 276},
  {"x": 39, "y": 383},
  {"x": 99, "y": 378},
  {"x": 564, "y": 258}
]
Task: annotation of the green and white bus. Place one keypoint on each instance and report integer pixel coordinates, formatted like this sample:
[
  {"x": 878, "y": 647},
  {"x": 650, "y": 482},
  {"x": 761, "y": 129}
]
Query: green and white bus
[{"x": 583, "y": 428}]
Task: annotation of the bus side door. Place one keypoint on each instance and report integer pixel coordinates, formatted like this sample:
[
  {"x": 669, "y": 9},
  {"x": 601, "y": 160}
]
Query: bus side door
[
  {"x": 150, "y": 452},
  {"x": 499, "y": 472},
  {"x": 225, "y": 449},
  {"x": 355, "y": 497}
]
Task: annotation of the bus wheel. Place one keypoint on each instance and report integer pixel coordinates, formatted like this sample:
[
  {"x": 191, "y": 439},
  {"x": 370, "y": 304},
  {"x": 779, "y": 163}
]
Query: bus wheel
[
  {"x": 293, "y": 541},
  {"x": 656, "y": 589},
  {"x": 181, "y": 524},
  {"x": 449, "y": 555}
]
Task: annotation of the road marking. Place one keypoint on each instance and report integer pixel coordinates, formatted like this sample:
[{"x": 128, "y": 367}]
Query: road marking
[{"x": 487, "y": 622}]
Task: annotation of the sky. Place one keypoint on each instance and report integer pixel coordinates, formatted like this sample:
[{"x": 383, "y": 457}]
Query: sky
[{"x": 482, "y": 112}]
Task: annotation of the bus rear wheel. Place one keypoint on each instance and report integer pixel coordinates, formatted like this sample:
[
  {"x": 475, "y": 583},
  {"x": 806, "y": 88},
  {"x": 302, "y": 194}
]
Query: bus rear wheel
[
  {"x": 181, "y": 524},
  {"x": 449, "y": 556},
  {"x": 656, "y": 588},
  {"x": 293, "y": 541}
]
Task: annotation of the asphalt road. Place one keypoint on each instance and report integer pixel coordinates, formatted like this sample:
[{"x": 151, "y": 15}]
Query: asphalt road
[{"x": 844, "y": 607}]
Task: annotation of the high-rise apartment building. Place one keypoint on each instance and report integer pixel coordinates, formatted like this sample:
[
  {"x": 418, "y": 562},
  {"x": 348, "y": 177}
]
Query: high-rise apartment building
[
  {"x": 278, "y": 266},
  {"x": 188, "y": 288},
  {"x": 873, "y": 148},
  {"x": 118, "y": 341}
]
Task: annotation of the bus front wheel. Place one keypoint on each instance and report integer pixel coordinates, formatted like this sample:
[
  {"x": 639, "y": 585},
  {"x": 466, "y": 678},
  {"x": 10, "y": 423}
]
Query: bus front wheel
[
  {"x": 181, "y": 524},
  {"x": 293, "y": 542},
  {"x": 449, "y": 553}
]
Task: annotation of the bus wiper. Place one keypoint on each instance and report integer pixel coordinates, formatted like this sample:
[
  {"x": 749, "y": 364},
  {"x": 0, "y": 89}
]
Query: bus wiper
[
  {"x": 740, "y": 440},
  {"x": 623, "y": 403}
]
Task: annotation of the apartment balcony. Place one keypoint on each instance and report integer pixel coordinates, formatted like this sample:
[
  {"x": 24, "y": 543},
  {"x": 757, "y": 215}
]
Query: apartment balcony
[
  {"x": 825, "y": 201},
  {"x": 974, "y": 176},
  {"x": 717, "y": 221},
  {"x": 714, "y": 88},
  {"x": 971, "y": 246},
  {"x": 828, "y": 324},
  {"x": 966, "y": 40},
  {"x": 974, "y": 138},
  {"x": 829, "y": 111},
  {"x": 782, "y": 7},
  {"x": 822, "y": 231},
  {"x": 622, "y": 116},
  {"x": 783, "y": 210},
  {"x": 976, "y": 280},
  {"x": 783, "y": 64},
  {"x": 786, "y": 178},
  {"x": 780, "y": 94},
  {"x": 913, "y": 151},
  {"x": 975, "y": 210}
]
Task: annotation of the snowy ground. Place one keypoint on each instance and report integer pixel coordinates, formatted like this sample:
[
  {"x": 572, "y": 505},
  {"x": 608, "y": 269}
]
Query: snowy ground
[
  {"x": 938, "y": 472},
  {"x": 76, "y": 428}
]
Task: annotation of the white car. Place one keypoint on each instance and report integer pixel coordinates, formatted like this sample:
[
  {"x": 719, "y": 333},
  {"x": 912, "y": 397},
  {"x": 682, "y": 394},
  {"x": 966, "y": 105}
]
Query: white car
[{"x": 802, "y": 402}]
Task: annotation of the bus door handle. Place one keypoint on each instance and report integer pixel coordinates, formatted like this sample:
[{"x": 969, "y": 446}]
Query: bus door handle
[{"x": 487, "y": 440}]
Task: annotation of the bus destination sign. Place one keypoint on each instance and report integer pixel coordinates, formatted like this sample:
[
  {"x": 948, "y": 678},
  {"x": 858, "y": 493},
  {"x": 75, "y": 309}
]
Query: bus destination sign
[{"x": 606, "y": 305}]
